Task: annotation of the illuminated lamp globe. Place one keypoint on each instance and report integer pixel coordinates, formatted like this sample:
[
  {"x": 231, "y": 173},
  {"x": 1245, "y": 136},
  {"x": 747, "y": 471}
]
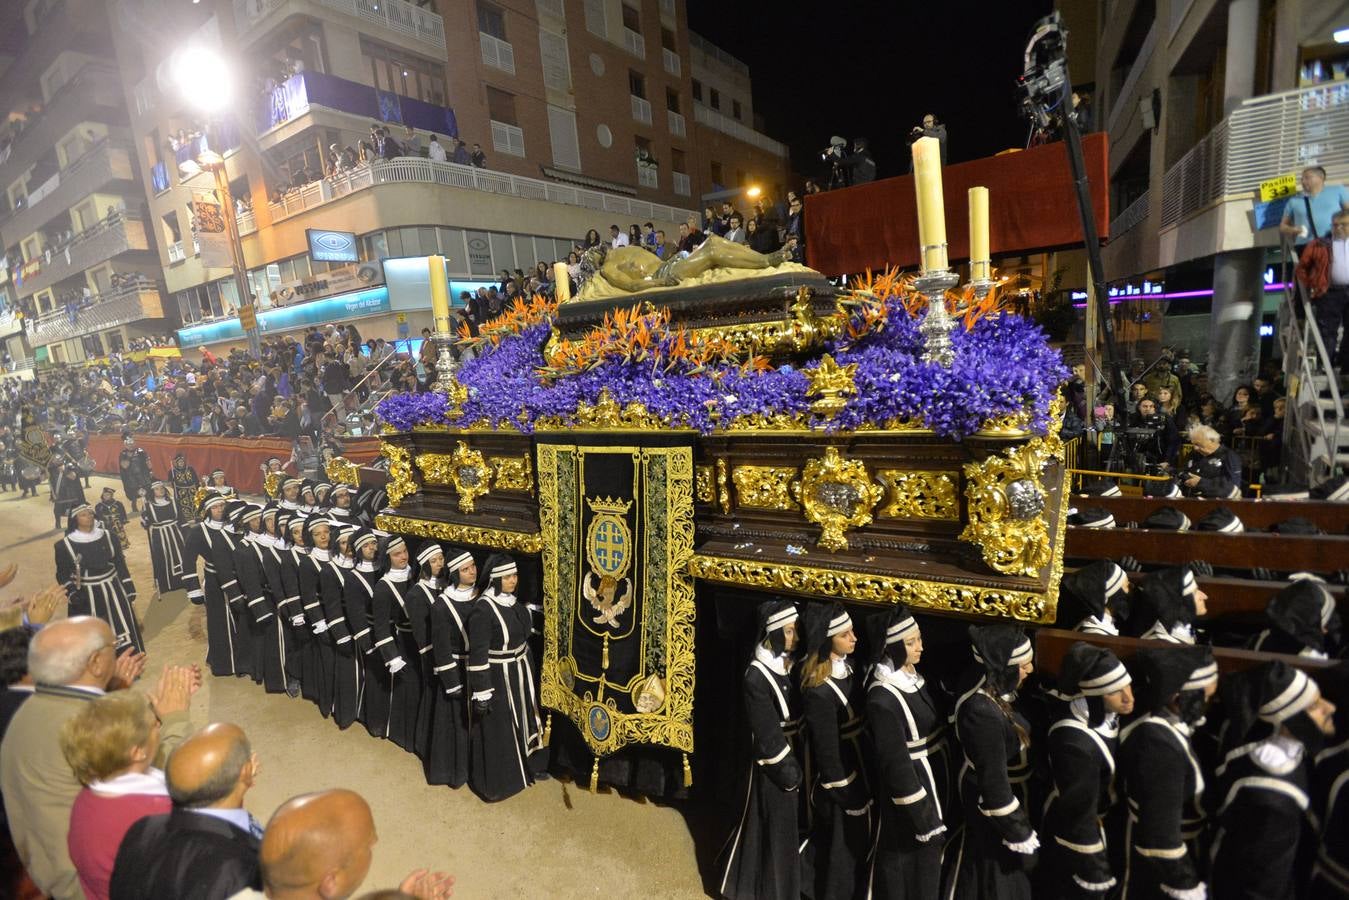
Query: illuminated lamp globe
[{"x": 203, "y": 78}]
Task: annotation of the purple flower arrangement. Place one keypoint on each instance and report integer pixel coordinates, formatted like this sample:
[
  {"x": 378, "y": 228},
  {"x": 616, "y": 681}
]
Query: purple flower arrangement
[{"x": 1003, "y": 366}]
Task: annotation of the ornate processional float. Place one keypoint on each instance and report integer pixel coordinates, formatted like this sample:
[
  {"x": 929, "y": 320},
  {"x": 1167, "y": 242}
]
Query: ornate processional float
[{"x": 731, "y": 421}]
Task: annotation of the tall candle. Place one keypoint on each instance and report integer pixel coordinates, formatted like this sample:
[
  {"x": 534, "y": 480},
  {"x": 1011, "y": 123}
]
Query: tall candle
[
  {"x": 561, "y": 282},
  {"x": 979, "y": 254},
  {"x": 931, "y": 213},
  {"x": 440, "y": 294}
]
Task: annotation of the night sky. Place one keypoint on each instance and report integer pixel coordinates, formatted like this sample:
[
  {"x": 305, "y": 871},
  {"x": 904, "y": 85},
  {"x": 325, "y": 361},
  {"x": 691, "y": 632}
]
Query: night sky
[{"x": 859, "y": 69}]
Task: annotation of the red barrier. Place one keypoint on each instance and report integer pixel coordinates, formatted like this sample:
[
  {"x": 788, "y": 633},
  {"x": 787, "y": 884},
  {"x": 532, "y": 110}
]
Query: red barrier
[
  {"x": 1032, "y": 207},
  {"x": 241, "y": 458}
]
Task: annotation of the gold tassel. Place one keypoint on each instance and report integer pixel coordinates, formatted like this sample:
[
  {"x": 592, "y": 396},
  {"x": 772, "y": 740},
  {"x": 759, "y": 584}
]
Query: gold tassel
[
  {"x": 604, "y": 655},
  {"x": 688, "y": 773},
  {"x": 548, "y": 730},
  {"x": 595, "y": 776}
]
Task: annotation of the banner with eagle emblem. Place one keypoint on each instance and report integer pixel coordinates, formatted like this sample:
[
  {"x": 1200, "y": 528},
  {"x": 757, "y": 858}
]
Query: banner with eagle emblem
[{"x": 617, "y": 519}]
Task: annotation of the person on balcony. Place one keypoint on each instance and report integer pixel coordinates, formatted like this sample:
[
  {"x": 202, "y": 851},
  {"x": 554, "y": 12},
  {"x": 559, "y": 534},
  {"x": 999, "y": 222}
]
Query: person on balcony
[
  {"x": 478, "y": 159},
  {"x": 1308, "y": 214},
  {"x": 435, "y": 151}
]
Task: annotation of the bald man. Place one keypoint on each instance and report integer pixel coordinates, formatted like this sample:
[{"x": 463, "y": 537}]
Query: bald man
[
  {"x": 207, "y": 848},
  {"x": 320, "y": 845},
  {"x": 71, "y": 662}
]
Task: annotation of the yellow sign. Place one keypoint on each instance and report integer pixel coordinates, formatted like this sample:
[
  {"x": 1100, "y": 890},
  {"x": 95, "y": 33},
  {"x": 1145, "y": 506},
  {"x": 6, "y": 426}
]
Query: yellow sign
[
  {"x": 248, "y": 317},
  {"x": 402, "y": 318},
  {"x": 1275, "y": 188}
]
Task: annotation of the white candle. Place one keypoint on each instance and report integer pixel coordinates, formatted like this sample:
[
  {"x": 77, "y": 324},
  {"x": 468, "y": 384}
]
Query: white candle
[
  {"x": 931, "y": 209},
  {"x": 980, "y": 263}
]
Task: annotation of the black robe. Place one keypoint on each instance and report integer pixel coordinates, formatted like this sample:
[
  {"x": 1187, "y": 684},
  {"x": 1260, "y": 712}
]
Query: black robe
[
  {"x": 259, "y": 614},
  {"x": 419, "y": 601},
  {"x": 391, "y": 628},
  {"x": 104, "y": 586},
  {"x": 447, "y": 749},
  {"x": 762, "y": 858},
  {"x": 348, "y": 667},
  {"x": 1264, "y": 829},
  {"x": 908, "y": 739},
  {"x": 1073, "y": 839},
  {"x": 276, "y": 672},
  {"x": 112, "y": 513},
  {"x": 184, "y": 483},
  {"x": 840, "y": 800},
  {"x": 502, "y": 741},
  {"x": 212, "y": 546},
  {"x": 160, "y": 519},
  {"x": 993, "y": 797},
  {"x": 356, "y": 602},
  {"x": 318, "y": 654},
  {"x": 227, "y": 560},
  {"x": 1164, "y": 787},
  {"x": 1330, "y": 778},
  {"x": 67, "y": 489},
  {"x": 297, "y": 650},
  {"x": 136, "y": 476}
]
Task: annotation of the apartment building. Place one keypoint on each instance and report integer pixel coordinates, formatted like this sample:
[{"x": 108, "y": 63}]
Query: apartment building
[
  {"x": 81, "y": 264},
  {"x": 1204, "y": 100},
  {"x": 585, "y": 111}
]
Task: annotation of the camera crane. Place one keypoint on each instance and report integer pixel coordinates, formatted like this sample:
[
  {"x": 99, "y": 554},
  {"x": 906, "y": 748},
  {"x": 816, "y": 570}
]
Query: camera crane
[{"x": 1045, "y": 87}]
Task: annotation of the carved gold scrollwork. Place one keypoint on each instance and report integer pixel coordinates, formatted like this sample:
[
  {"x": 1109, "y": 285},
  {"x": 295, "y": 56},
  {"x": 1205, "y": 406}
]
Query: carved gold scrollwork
[
  {"x": 1006, "y": 507},
  {"x": 496, "y": 538},
  {"x": 838, "y": 496},
  {"x": 723, "y": 489},
  {"x": 918, "y": 495},
  {"x": 830, "y": 383},
  {"x": 513, "y": 473},
  {"x": 705, "y": 489},
  {"x": 607, "y": 415},
  {"x": 271, "y": 484},
  {"x": 465, "y": 469},
  {"x": 341, "y": 470},
  {"x": 764, "y": 487},
  {"x": 402, "y": 482}
]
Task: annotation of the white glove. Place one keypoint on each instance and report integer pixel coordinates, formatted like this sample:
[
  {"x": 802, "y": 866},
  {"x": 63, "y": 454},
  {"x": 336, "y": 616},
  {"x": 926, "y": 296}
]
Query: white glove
[
  {"x": 320, "y": 627},
  {"x": 297, "y": 621},
  {"x": 396, "y": 665},
  {"x": 1027, "y": 847}
]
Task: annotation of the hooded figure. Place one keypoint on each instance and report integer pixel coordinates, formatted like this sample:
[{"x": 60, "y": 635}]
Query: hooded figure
[
  {"x": 185, "y": 482},
  {"x": 1091, "y": 517},
  {"x": 1167, "y": 518},
  {"x": 359, "y": 591},
  {"x": 1094, "y": 599},
  {"x": 91, "y": 567},
  {"x": 348, "y": 669},
  {"x": 1221, "y": 520},
  {"x": 134, "y": 463},
  {"x": 1163, "y": 781},
  {"x": 167, "y": 551},
  {"x": 391, "y": 629},
  {"x": 210, "y": 542},
  {"x": 1301, "y": 617},
  {"x": 1277, "y": 721},
  {"x": 67, "y": 491},
  {"x": 317, "y": 676},
  {"x": 112, "y": 513},
  {"x": 1082, "y": 747},
  {"x": 1169, "y": 602},
  {"x": 447, "y": 752},
  {"x": 912, "y": 762},
  {"x": 762, "y": 858},
  {"x": 998, "y": 844}
]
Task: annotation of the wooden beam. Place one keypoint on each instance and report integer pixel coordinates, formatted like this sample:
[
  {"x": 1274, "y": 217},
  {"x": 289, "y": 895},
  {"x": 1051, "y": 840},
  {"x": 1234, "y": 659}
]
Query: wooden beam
[{"x": 1294, "y": 553}]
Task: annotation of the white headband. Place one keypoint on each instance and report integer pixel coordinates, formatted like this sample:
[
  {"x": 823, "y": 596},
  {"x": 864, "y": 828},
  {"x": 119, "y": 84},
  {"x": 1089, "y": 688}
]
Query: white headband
[
  {"x": 1201, "y": 677},
  {"x": 781, "y": 619},
  {"x": 896, "y": 632},
  {"x": 1301, "y": 693},
  {"x": 425, "y": 554},
  {"x": 365, "y": 539},
  {"x": 507, "y": 568},
  {"x": 1108, "y": 683},
  {"x": 1023, "y": 653},
  {"x": 459, "y": 561},
  {"x": 1116, "y": 581},
  {"x": 839, "y": 624}
]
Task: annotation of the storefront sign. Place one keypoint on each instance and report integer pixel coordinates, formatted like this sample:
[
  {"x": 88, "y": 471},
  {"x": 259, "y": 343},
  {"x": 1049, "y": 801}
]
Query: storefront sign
[
  {"x": 353, "y": 277},
  {"x": 371, "y": 302},
  {"x": 1283, "y": 186},
  {"x": 331, "y": 246}
]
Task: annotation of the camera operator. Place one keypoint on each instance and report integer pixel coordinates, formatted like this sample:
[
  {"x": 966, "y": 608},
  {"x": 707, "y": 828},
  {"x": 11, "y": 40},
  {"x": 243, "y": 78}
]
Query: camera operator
[
  {"x": 1159, "y": 450},
  {"x": 859, "y": 165},
  {"x": 930, "y": 128},
  {"x": 833, "y": 155},
  {"x": 1212, "y": 469}
]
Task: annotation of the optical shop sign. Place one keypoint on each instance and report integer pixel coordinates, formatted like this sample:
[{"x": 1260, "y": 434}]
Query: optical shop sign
[{"x": 372, "y": 302}]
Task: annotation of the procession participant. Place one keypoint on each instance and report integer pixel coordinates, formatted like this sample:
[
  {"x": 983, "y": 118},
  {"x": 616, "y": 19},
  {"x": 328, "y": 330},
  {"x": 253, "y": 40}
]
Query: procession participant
[
  {"x": 1094, "y": 599},
  {"x": 321, "y": 492},
  {"x": 359, "y": 590},
  {"x": 134, "y": 463},
  {"x": 339, "y": 504},
  {"x": 1163, "y": 782},
  {"x": 1277, "y": 721},
  {"x": 260, "y": 607},
  {"x": 392, "y": 632},
  {"x": 29, "y": 476},
  {"x": 908, "y": 733},
  {"x": 1300, "y": 617},
  {"x": 185, "y": 481},
  {"x": 447, "y": 747},
  {"x": 159, "y": 518},
  {"x": 998, "y": 844},
  {"x": 309, "y": 504},
  {"x": 208, "y": 542},
  {"x": 840, "y": 799},
  {"x": 299, "y": 653},
  {"x": 419, "y": 600},
  {"x": 290, "y": 494},
  {"x": 318, "y": 669},
  {"x": 504, "y": 726},
  {"x": 762, "y": 856},
  {"x": 215, "y": 482},
  {"x": 112, "y": 513},
  {"x": 272, "y": 545},
  {"x": 1330, "y": 872},
  {"x": 1169, "y": 602},
  {"x": 1082, "y": 749},
  {"x": 348, "y": 672},
  {"x": 67, "y": 491},
  {"x": 245, "y": 651},
  {"x": 90, "y": 564}
]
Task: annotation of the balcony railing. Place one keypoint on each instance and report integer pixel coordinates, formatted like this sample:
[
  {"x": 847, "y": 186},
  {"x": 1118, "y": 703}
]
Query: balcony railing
[
  {"x": 634, "y": 43},
  {"x": 1264, "y": 137},
  {"x": 109, "y": 310},
  {"x": 713, "y": 52},
  {"x": 726, "y": 125},
  {"x": 648, "y": 177},
  {"x": 677, "y": 125},
  {"x": 396, "y": 15},
  {"x": 641, "y": 110},
  {"x": 1130, "y": 217},
  {"x": 94, "y": 86},
  {"x": 300, "y": 93},
  {"x": 416, "y": 170},
  {"x": 680, "y": 183},
  {"x": 671, "y": 61},
  {"x": 102, "y": 242},
  {"x": 497, "y": 53},
  {"x": 103, "y": 163}
]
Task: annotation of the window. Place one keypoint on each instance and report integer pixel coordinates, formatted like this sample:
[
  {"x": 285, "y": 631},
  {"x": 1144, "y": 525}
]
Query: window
[
  {"x": 501, "y": 106},
  {"x": 667, "y": 40},
  {"x": 697, "y": 90},
  {"x": 636, "y": 84},
  {"x": 672, "y": 100},
  {"x": 632, "y": 19},
  {"x": 678, "y": 161},
  {"x": 735, "y": 110},
  {"x": 717, "y": 180},
  {"x": 565, "y": 142},
  {"x": 400, "y": 73},
  {"x": 491, "y": 20},
  {"x": 172, "y": 231},
  {"x": 553, "y": 54},
  {"x": 714, "y": 98},
  {"x": 595, "y": 18}
]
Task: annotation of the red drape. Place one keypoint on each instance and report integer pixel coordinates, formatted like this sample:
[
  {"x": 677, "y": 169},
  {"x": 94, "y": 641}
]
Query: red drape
[
  {"x": 241, "y": 458},
  {"x": 1032, "y": 207}
]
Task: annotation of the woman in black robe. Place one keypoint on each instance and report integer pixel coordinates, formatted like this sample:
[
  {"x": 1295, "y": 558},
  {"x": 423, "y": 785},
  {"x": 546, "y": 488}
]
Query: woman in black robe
[
  {"x": 208, "y": 542},
  {"x": 762, "y": 858},
  {"x": 1302, "y": 619},
  {"x": 348, "y": 670},
  {"x": 359, "y": 590},
  {"x": 318, "y": 666},
  {"x": 504, "y": 726},
  {"x": 447, "y": 750},
  {"x": 90, "y": 564},
  {"x": 418, "y": 602},
  {"x": 294, "y": 552},
  {"x": 276, "y": 645},
  {"x": 908, "y": 734},
  {"x": 159, "y": 517},
  {"x": 393, "y": 641},
  {"x": 840, "y": 801},
  {"x": 998, "y": 845},
  {"x": 257, "y": 611}
]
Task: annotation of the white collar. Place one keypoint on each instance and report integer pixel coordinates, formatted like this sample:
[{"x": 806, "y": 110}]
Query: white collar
[
  {"x": 296, "y": 548},
  {"x": 87, "y": 537},
  {"x": 1104, "y": 622},
  {"x": 322, "y": 555},
  {"x": 165, "y": 502},
  {"x": 1308, "y": 652},
  {"x": 506, "y": 600},
  {"x": 1107, "y": 729},
  {"x": 433, "y": 583},
  {"x": 839, "y": 668},
  {"x": 1278, "y": 754},
  {"x": 902, "y": 678},
  {"x": 398, "y": 575},
  {"x": 459, "y": 593},
  {"x": 149, "y": 782},
  {"x": 1183, "y": 632},
  {"x": 212, "y": 523},
  {"x": 366, "y": 565},
  {"x": 344, "y": 562},
  {"x": 778, "y": 662}
]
